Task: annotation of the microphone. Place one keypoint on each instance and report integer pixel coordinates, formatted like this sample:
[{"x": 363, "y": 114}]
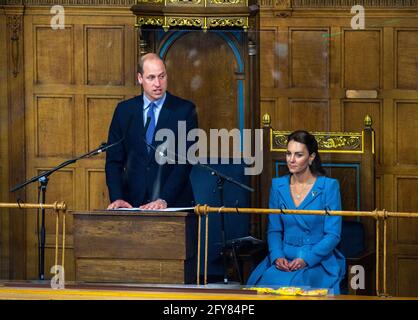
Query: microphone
[{"x": 101, "y": 148}]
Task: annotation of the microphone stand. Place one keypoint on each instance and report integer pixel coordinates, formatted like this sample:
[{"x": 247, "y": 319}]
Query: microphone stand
[
  {"x": 221, "y": 178},
  {"x": 43, "y": 183}
]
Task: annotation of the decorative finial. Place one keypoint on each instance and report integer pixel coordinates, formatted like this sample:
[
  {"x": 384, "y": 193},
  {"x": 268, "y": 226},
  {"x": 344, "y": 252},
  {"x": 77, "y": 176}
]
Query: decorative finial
[
  {"x": 266, "y": 120},
  {"x": 368, "y": 121}
]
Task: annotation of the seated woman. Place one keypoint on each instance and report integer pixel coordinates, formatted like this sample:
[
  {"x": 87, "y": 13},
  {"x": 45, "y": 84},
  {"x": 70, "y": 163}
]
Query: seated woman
[{"x": 302, "y": 248}]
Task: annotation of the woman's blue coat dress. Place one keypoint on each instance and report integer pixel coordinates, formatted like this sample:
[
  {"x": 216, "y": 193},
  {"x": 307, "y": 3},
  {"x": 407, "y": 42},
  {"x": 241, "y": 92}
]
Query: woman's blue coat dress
[{"x": 313, "y": 238}]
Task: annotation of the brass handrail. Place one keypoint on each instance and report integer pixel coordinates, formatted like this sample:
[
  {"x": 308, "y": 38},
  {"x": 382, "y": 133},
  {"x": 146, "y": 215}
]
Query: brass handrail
[
  {"x": 57, "y": 207},
  {"x": 376, "y": 214},
  {"x": 21, "y": 205}
]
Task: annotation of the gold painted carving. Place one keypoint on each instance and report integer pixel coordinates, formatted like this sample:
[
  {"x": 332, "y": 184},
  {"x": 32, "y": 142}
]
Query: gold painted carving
[
  {"x": 210, "y": 17},
  {"x": 227, "y": 22},
  {"x": 266, "y": 120},
  {"x": 185, "y": 22},
  {"x": 185, "y": 2},
  {"x": 341, "y": 142},
  {"x": 227, "y": 2},
  {"x": 338, "y": 142},
  {"x": 150, "y": 21}
]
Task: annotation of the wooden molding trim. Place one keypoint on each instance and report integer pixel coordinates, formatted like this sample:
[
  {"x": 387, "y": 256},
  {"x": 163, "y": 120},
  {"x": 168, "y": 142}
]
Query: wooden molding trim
[{"x": 14, "y": 23}]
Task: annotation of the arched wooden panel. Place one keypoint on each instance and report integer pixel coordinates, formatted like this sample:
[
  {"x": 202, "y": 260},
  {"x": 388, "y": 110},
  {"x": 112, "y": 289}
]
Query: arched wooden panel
[{"x": 202, "y": 68}]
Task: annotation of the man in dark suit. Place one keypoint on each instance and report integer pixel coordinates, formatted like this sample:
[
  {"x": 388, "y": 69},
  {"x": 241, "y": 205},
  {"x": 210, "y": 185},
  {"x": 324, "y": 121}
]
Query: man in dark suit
[{"x": 133, "y": 176}]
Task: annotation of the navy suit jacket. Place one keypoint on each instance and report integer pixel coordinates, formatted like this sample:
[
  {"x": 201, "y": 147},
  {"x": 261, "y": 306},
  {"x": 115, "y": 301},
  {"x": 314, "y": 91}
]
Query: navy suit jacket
[{"x": 133, "y": 174}]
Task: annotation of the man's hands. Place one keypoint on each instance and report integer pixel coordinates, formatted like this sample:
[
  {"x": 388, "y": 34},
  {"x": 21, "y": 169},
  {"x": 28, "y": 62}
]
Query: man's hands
[
  {"x": 118, "y": 204},
  {"x": 155, "y": 205},
  {"x": 284, "y": 265}
]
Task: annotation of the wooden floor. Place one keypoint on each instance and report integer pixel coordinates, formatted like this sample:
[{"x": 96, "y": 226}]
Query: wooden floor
[{"x": 33, "y": 291}]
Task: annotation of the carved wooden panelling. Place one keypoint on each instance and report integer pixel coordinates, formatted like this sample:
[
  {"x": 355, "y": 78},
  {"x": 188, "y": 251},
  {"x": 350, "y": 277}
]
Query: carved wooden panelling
[
  {"x": 362, "y": 59},
  {"x": 97, "y": 194},
  {"x": 407, "y": 59},
  {"x": 407, "y": 276},
  {"x": 105, "y": 55},
  {"x": 407, "y": 200},
  {"x": 354, "y": 113},
  {"x": 406, "y": 131},
  {"x": 76, "y": 76},
  {"x": 270, "y": 49},
  {"x": 99, "y": 115},
  {"x": 309, "y": 59},
  {"x": 54, "y": 123},
  {"x": 211, "y": 83},
  {"x": 54, "y": 59},
  {"x": 310, "y": 115}
]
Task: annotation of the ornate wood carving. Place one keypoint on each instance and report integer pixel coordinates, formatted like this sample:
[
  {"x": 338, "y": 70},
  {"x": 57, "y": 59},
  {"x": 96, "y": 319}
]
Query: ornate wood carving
[
  {"x": 185, "y": 22},
  {"x": 151, "y": 21},
  {"x": 341, "y": 142},
  {"x": 16, "y": 136},
  {"x": 225, "y": 2},
  {"x": 203, "y": 14},
  {"x": 181, "y": 2},
  {"x": 150, "y": 1},
  {"x": 282, "y": 4},
  {"x": 282, "y": 8},
  {"x": 14, "y": 23},
  {"x": 227, "y": 22}
]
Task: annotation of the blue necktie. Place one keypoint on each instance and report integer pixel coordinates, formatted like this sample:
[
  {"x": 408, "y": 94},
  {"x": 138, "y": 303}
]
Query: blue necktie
[{"x": 151, "y": 128}]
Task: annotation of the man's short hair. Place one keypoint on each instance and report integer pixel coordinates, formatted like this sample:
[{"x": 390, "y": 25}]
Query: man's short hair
[{"x": 140, "y": 67}]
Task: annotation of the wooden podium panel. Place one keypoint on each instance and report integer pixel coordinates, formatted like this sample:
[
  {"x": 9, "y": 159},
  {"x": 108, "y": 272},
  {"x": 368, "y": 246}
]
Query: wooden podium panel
[{"x": 139, "y": 247}]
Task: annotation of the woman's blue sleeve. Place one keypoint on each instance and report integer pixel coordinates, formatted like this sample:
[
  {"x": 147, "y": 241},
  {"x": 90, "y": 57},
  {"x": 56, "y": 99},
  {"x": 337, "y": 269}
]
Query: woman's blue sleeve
[{"x": 275, "y": 229}]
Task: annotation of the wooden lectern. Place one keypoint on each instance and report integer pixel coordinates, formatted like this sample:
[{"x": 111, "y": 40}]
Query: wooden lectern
[{"x": 132, "y": 246}]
